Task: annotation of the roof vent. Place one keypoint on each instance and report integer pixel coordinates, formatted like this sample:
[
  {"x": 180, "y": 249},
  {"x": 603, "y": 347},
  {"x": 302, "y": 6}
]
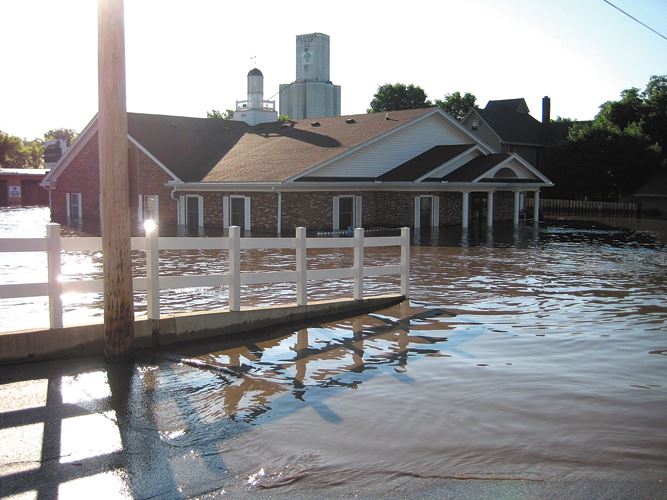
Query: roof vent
[
  {"x": 315, "y": 124},
  {"x": 350, "y": 121}
]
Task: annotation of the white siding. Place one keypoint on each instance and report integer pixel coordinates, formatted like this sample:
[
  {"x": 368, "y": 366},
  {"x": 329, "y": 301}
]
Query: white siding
[
  {"x": 395, "y": 149},
  {"x": 484, "y": 132},
  {"x": 521, "y": 171}
]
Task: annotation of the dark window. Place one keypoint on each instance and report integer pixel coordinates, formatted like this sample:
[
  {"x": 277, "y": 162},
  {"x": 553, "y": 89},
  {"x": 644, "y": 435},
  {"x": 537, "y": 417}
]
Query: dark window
[
  {"x": 425, "y": 211},
  {"x": 237, "y": 212},
  {"x": 192, "y": 213},
  {"x": 345, "y": 212}
]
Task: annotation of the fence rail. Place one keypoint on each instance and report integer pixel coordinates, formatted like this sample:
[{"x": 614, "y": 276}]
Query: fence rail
[
  {"x": 581, "y": 207},
  {"x": 152, "y": 283}
]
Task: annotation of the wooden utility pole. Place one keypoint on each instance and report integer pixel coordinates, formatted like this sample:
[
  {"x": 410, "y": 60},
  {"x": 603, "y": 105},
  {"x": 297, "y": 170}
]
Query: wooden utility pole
[{"x": 114, "y": 181}]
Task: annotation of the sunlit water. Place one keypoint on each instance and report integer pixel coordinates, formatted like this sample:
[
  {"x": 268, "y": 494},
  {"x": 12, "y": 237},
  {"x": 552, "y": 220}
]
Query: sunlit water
[{"x": 534, "y": 355}]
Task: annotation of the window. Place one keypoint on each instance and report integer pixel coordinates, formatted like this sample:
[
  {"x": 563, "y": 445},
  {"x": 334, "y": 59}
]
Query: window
[
  {"x": 347, "y": 212},
  {"x": 427, "y": 211},
  {"x": 191, "y": 211},
  {"x": 237, "y": 216},
  {"x": 149, "y": 207},
  {"x": 74, "y": 209},
  {"x": 236, "y": 212}
]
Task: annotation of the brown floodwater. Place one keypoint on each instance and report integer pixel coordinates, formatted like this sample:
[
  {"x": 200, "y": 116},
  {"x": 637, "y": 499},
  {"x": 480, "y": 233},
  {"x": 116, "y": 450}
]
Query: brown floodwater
[{"x": 538, "y": 354}]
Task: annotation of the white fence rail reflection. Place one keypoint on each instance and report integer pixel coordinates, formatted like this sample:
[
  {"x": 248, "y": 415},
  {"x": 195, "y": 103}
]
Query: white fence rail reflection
[{"x": 152, "y": 283}]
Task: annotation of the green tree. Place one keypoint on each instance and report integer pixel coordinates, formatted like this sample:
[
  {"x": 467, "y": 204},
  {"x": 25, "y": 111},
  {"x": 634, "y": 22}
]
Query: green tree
[
  {"x": 456, "y": 104},
  {"x": 397, "y": 96},
  {"x": 67, "y": 134},
  {"x": 9, "y": 148},
  {"x": 217, "y": 115},
  {"x": 612, "y": 156}
]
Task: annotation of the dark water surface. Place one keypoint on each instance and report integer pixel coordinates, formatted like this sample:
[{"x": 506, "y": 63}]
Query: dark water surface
[{"x": 537, "y": 355}]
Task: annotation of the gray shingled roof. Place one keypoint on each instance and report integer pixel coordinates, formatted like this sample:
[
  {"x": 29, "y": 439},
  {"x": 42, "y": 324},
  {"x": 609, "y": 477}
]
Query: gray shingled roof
[
  {"x": 189, "y": 147},
  {"x": 513, "y": 126},
  {"x": 475, "y": 167},
  {"x": 209, "y": 150},
  {"x": 424, "y": 163}
]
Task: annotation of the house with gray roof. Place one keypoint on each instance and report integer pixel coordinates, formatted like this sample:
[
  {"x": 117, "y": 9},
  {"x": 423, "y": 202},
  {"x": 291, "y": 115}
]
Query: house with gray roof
[
  {"x": 507, "y": 127},
  {"x": 418, "y": 168}
]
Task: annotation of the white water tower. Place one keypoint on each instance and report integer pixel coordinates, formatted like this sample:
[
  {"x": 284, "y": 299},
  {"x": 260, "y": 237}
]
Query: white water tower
[{"x": 255, "y": 109}]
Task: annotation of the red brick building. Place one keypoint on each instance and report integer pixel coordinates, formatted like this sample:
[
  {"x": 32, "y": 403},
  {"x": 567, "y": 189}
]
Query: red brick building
[
  {"x": 405, "y": 168},
  {"x": 21, "y": 187}
]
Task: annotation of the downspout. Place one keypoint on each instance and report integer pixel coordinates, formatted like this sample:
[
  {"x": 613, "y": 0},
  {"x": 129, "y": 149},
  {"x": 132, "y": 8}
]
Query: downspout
[
  {"x": 280, "y": 212},
  {"x": 178, "y": 208}
]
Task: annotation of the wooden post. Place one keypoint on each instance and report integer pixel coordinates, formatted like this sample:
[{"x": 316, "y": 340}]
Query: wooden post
[
  {"x": 301, "y": 267},
  {"x": 234, "y": 268},
  {"x": 114, "y": 181},
  {"x": 359, "y": 263},
  {"x": 405, "y": 261},
  {"x": 55, "y": 286}
]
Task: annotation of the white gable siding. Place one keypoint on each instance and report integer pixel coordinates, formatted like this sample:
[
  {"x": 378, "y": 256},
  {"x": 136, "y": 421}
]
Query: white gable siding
[
  {"x": 392, "y": 151},
  {"x": 441, "y": 172},
  {"x": 484, "y": 132},
  {"x": 520, "y": 171}
]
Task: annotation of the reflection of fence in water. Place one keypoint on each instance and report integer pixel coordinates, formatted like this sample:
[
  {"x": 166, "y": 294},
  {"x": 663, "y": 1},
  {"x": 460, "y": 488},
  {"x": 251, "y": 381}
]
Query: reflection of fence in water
[{"x": 253, "y": 379}]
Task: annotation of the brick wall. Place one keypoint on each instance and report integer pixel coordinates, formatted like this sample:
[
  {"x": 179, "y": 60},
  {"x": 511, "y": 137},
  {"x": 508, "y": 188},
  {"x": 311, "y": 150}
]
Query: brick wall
[
  {"x": 391, "y": 209},
  {"x": 263, "y": 209},
  {"x": 503, "y": 206},
  {"x": 82, "y": 176}
]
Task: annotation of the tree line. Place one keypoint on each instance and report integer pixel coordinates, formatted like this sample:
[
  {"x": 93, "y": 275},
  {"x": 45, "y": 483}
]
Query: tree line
[
  {"x": 612, "y": 156},
  {"x": 22, "y": 153}
]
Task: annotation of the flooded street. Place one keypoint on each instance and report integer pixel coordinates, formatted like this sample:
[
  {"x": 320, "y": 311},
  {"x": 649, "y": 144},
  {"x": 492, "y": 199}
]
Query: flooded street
[{"x": 537, "y": 355}]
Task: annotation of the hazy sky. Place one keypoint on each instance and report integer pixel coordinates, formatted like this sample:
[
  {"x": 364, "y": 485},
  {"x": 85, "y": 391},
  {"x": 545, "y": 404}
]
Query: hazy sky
[{"x": 187, "y": 57}]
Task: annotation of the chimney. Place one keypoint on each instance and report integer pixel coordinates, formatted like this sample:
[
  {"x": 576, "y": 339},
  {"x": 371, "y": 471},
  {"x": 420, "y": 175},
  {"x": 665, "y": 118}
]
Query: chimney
[{"x": 546, "y": 110}]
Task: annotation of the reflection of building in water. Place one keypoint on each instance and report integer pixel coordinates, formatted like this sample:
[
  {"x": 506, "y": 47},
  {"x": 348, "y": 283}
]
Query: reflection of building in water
[{"x": 311, "y": 95}]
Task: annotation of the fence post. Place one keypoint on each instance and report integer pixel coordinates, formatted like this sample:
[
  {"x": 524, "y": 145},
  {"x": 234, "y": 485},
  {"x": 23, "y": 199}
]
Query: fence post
[
  {"x": 55, "y": 286},
  {"x": 153, "y": 280},
  {"x": 301, "y": 267},
  {"x": 234, "y": 268},
  {"x": 358, "y": 263},
  {"x": 405, "y": 261}
]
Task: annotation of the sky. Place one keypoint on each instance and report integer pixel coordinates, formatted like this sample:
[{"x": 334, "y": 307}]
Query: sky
[{"x": 184, "y": 57}]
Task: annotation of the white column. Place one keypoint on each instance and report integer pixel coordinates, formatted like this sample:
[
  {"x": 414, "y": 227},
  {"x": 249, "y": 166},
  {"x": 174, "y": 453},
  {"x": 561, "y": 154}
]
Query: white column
[
  {"x": 152, "y": 273},
  {"x": 465, "y": 209},
  {"x": 536, "y": 206},
  {"x": 489, "y": 209},
  {"x": 358, "y": 263},
  {"x": 55, "y": 286},
  {"x": 517, "y": 203},
  {"x": 234, "y": 268},
  {"x": 301, "y": 267},
  {"x": 405, "y": 262}
]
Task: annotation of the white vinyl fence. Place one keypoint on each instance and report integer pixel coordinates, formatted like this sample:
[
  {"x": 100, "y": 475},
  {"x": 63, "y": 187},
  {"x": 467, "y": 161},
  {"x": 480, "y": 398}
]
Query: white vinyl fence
[{"x": 151, "y": 244}]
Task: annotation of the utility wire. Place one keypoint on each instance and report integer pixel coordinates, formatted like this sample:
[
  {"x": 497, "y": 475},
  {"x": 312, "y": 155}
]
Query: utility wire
[{"x": 635, "y": 19}]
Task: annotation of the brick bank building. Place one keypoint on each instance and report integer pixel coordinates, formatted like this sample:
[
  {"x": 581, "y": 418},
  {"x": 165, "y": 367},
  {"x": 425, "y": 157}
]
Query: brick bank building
[{"x": 417, "y": 168}]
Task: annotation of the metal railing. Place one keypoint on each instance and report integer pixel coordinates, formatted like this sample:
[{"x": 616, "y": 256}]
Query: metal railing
[{"x": 54, "y": 245}]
